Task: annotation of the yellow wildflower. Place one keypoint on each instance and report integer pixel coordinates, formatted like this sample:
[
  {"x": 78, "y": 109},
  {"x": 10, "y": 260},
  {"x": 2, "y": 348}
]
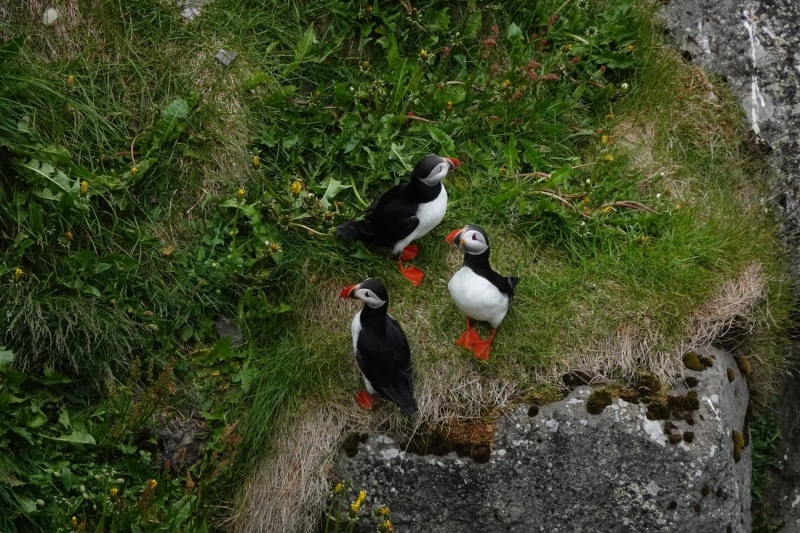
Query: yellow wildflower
[
  {"x": 567, "y": 48},
  {"x": 240, "y": 194},
  {"x": 356, "y": 505},
  {"x": 70, "y": 81},
  {"x": 365, "y": 64},
  {"x": 631, "y": 48},
  {"x": 506, "y": 83},
  {"x": 606, "y": 209},
  {"x": 449, "y": 106},
  {"x": 84, "y": 187},
  {"x": 74, "y": 521},
  {"x": 361, "y": 496},
  {"x": 152, "y": 484},
  {"x": 114, "y": 492},
  {"x": 386, "y": 527},
  {"x": 18, "y": 273},
  {"x": 369, "y": 9},
  {"x": 604, "y": 139},
  {"x": 337, "y": 489},
  {"x": 275, "y": 247},
  {"x": 608, "y": 157},
  {"x": 502, "y": 170},
  {"x": 423, "y": 54},
  {"x": 69, "y": 235},
  {"x": 135, "y": 170},
  {"x": 586, "y": 199},
  {"x": 296, "y": 188},
  {"x": 256, "y": 161},
  {"x": 383, "y": 511}
]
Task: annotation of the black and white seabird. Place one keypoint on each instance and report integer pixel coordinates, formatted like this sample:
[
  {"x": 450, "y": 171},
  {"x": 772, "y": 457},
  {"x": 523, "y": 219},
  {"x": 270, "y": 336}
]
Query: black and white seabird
[
  {"x": 478, "y": 291},
  {"x": 405, "y": 212},
  {"x": 381, "y": 348}
]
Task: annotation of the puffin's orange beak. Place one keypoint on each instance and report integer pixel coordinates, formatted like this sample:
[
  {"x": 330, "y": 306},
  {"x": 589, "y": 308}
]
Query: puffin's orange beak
[
  {"x": 348, "y": 292},
  {"x": 454, "y": 236},
  {"x": 456, "y": 162}
]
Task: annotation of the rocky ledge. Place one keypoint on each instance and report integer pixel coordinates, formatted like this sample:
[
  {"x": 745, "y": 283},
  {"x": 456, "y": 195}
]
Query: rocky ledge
[{"x": 678, "y": 463}]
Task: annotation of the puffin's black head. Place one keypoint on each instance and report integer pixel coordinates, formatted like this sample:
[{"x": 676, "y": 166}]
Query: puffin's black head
[
  {"x": 471, "y": 239},
  {"x": 432, "y": 169},
  {"x": 370, "y": 291}
]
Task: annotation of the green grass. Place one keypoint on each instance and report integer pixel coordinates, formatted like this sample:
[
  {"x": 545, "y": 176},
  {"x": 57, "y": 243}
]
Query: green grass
[{"x": 140, "y": 264}]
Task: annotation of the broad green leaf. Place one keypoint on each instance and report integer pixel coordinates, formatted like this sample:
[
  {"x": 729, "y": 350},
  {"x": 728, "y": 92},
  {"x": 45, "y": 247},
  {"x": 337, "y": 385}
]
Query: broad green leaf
[
  {"x": 37, "y": 421},
  {"x": 578, "y": 92},
  {"x": 301, "y": 50},
  {"x": 56, "y": 154},
  {"x": 334, "y": 187},
  {"x": 473, "y": 24},
  {"x": 514, "y": 35},
  {"x": 67, "y": 478},
  {"x": 24, "y": 433},
  {"x": 443, "y": 139},
  {"x": 280, "y": 95},
  {"x": 12, "y": 377},
  {"x": 26, "y": 504},
  {"x": 511, "y": 155},
  {"x": 6, "y": 357},
  {"x": 255, "y": 80},
  {"x": 76, "y": 437},
  {"x": 166, "y": 128},
  {"x": 52, "y": 377},
  {"x": 63, "y": 418}
]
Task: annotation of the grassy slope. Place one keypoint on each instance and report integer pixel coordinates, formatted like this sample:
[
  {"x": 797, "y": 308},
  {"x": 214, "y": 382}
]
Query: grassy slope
[{"x": 584, "y": 277}]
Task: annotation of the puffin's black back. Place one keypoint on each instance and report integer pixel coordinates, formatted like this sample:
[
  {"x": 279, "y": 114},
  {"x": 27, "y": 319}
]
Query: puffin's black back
[
  {"x": 383, "y": 354},
  {"x": 479, "y": 263},
  {"x": 392, "y": 216}
]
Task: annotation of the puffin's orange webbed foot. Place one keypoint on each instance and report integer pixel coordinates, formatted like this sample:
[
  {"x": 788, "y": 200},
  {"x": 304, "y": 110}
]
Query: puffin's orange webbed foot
[
  {"x": 366, "y": 401},
  {"x": 469, "y": 337},
  {"x": 409, "y": 252},
  {"x": 482, "y": 348},
  {"x": 412, "y": 274}
]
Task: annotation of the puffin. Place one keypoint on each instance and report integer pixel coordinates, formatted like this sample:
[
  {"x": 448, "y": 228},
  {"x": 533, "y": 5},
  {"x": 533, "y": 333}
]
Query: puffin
[
  {"x": 381, "y": 348},
  {"x": 478, "y": 291},
  {"x": 404, "y": 213}
]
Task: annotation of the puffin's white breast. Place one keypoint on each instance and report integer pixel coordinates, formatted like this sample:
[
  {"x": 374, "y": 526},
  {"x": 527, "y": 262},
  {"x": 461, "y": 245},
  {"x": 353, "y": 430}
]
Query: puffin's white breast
[
  {"x": 476, "y": 297},
  {"x": 355, "y": 329},
  {"x": 429, "y": 214}
]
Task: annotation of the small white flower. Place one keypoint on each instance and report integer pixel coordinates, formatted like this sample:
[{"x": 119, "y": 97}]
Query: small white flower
[
  {"x": 583, "y": 223},
  {"x": 85, "y": 495},
  {"x": 120, "y": 481},
  {"x": 588, "y": 182},
  {"x": 352, "y": 89},
  {"x": 83, "y": 489},
  {"x": 658, "y": 195}
]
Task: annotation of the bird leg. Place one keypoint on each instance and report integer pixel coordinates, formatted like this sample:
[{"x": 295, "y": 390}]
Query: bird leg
[
  {"x": 411, "y": 273},
  {"x": 409, "y": 252},
  {"x": 482, "y": 347},
  {"x": 366, "y": 401},
  {"x": 469, "y": 337}
]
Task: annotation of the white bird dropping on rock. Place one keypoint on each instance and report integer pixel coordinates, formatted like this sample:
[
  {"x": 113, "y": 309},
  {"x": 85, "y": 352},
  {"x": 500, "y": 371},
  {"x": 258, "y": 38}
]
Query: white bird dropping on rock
[{"x": 50, "y": 16}]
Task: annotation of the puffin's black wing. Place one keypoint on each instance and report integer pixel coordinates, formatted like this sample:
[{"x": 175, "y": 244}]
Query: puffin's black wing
[
  {"x": 385, "y": 360},
  {"x": 390, "y": 218}
]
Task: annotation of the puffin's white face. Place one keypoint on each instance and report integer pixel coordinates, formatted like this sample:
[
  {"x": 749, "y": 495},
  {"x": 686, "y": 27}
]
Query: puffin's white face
[
  {"x": 438, "y": 173},
  {"x": 473, "y": 242},
  {"x": 369, "y": 297}
]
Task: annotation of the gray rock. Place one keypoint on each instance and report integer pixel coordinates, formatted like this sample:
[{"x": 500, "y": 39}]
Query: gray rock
[
  {"x": 566, "y": 470},
  {"x": 191, "y": 8},
  {"x": 226, "y": 57},
  {"x": 227, "y": 328},
  {"x": 179, "y": 443}
]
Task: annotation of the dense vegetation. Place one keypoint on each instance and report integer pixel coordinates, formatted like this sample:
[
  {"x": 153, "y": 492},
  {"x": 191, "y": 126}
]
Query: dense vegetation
[{"x": 146, "y": 191}]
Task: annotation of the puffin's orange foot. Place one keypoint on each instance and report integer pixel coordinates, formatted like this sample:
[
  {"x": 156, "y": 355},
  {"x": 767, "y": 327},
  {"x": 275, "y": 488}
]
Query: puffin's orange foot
[
  {"x": 468, "y": 339},
  {"x": 409, "y": 252},
  {"x": 482, "y": 349},
  {"x": 412, "y": 274},
  {"x": 365, "y": 400}
]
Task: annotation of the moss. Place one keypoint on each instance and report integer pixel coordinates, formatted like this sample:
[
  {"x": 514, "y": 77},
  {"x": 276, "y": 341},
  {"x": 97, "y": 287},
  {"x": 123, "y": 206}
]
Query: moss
[
  {"x": 684, "y": 402},
  {"x": 698, "y": 508},
  {"x": 705, "y": 361},
  {"x": 691, "y": 382},
  {"x": 576, "y": 379},
  {"x": 731, "y": 374},
  {"x": 672, "y": 506},
  {"x": 669, "y": 426},
  {"x": 650, "y": 416},
  {"x": 675, "y": 438},
  {"x": 468, "y": 438},
  {"x": 744, "y": 365},
  {"x": 692, "y": 362},
  {"x": 533, "y": 410},
  {"x": 738, "y": 444},
  {"x": 659, "y": 411},
  {"x": 598, "y": 401},
  {"x": 542, "y": 395},
  {"x": 705, "y": 491},
  {"x": 719, "y": 492},
  {"x": 648, "y": 386},
  {"x": 688, "y": 436},
  {"x": 689, "y": 419}
]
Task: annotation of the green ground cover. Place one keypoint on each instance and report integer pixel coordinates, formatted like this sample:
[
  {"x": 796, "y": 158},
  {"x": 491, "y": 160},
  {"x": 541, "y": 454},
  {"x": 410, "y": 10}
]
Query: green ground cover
[{"x": 146, "y": 190}]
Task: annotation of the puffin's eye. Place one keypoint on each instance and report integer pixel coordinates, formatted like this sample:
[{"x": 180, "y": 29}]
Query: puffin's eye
[
  {"x": 474, "y": 237},
  {"x": 369, "y": 295}
]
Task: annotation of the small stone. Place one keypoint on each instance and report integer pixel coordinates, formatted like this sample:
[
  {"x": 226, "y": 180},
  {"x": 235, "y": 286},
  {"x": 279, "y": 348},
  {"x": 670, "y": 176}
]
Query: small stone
[
  {"x": 50, "y": 16},
  {"x": 226, "y": 57}
]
